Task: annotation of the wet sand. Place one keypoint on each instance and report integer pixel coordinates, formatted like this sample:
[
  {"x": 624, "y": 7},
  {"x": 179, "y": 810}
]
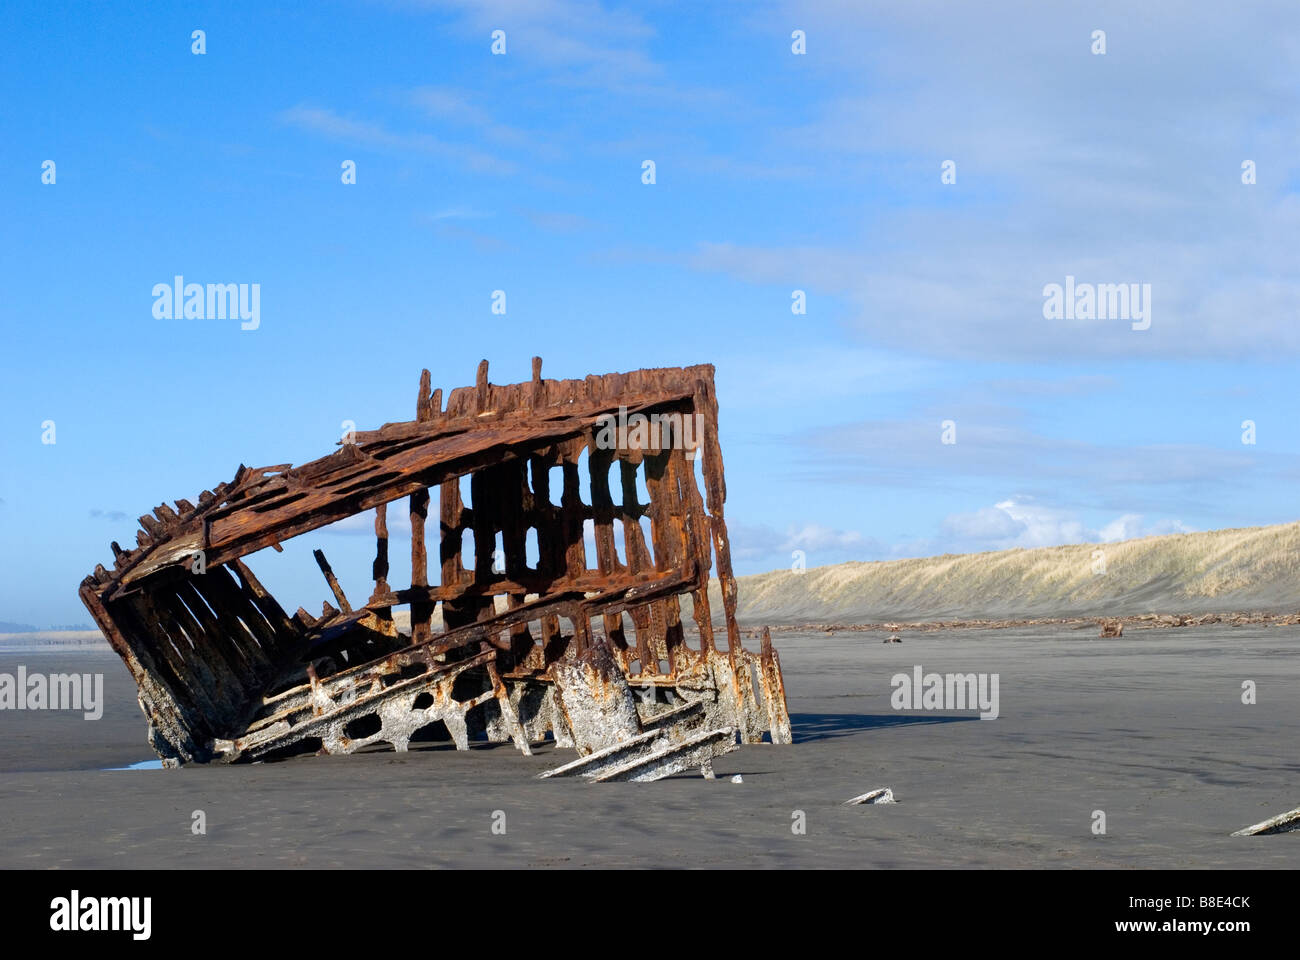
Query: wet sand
[{"x": 1149, "y": 728}]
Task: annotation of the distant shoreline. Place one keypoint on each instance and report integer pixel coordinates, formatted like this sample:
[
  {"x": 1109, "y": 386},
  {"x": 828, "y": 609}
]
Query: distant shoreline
[
  {"x": 77, "y": 641},
  {"x": 54, "y": 640}
]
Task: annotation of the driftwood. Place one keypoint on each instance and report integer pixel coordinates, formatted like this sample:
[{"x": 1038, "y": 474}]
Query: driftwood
[{"x": 224, "y": 672}]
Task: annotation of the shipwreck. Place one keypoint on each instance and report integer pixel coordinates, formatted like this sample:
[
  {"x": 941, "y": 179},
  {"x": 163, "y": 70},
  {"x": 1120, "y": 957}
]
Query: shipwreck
[{"x": 536, "y": 638}]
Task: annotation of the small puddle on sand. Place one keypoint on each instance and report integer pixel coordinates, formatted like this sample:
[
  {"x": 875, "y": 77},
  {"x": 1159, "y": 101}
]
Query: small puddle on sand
[{"x": 142, "y": 765}]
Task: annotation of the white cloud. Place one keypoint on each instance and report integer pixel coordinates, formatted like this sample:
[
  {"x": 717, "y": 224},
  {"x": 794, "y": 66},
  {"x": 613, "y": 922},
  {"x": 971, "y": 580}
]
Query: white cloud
[
  {"x": 813, "y": 536},
  {"x": 1023, "y": 522},
  {"x": 759, "y": 544},
  {"x": 1132, "y": 526}
]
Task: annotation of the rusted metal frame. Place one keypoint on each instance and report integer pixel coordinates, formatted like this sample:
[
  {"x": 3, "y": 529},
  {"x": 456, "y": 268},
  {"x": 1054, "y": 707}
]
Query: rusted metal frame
[
  {"x": 778, "y": 712},
  {"x": 169, "y": 721},
  {"x": 139, "y": 663},
  {"x": 451, "y": 541},
  {"x": 204, "y": 656},
  {"x": 238, "y": 658},
  {"x": 238, "y": 535},
  {"x": 666, "y": 537},
  {"x": 250, "y": 484},
  {"x": 206, "y": 662},
  {"x": 679, "y": 479},
  {"x": 457, "y": 423},
  {"x": 572, "y": 515},
  {"x": 612, "y": 757},
  {"x": 617, "y": 743},
  {"x": 599, "y": 463},
  {"x": 513, "y": 508},
  {"x": 421, "y": 612},
  {"x": 208, "y": 679},
  {"x": 332, "y": 581},
  {"x": 572, "y": 604},
  {"x": 216, "y": 593},
  {"x": 186, "y": 515},
  {"x": 739, "y": 681},
  {"x": 572, "y": 510},
  {"x": 508, "y": 715},
  {"x": 484, "y": 399},
  {"x": 426, "y": 654},
  {"x": 367, "y": 682},
  {"x": 423, "y": 406},
  {"x": 360, "y": 466},
  {"x": 227, "y": 633},
  {"x": 177, "y": 650},
  {"x": 266, "y": 605},
  {"x": 266, "y": 738},
  {"x": 740, "y": 660},
  {"x": 716, "y": 490},
  {"x": 549, "y": 545},
  {"x": 218, "y": 585},
  {"x": 168, "y": 692},
  {"x": 322, "y": 506},
  {"x": 510, "y": 409},
  {"x": 379, "y": 571},
  {"x": 622, "y": 599},
  {"x": 536, "y": 390},
  {"x": 604, "y": 512},
  {"x": 594, "y": 698},
  {"x": 187, "y": 694},
  {"x": 692, "y": 752},
  {"x": 332, "y": 630},
  {"x": 674, "y": 508},
  {"x": 481, "y": 388},
  {"x": 260, "y": 627},
  {"x": 266, "y": 495},
  {"x": 532, "y": 584},
  {"x": 638, "y": 554},
  {"x": 304, "y": 622},
  {"x": 700, "y": 537},
  {"x": 487, "y": 491},
  {"x": 333, "y": 469},
  {"x": 454, "y": 519}
]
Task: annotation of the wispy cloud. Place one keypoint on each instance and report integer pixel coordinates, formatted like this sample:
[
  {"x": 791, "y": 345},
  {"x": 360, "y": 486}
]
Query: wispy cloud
[
  {"x": 459, "y": 213},
  {"x": 334, "y": 126},
  {"x": 590, "y": 41},
  {"x": 558, "y": 222},
  {"x": 462, "y": 108}
]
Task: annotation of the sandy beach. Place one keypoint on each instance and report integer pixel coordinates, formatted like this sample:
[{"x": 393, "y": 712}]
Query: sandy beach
[{"x": 1150, "y": 729}]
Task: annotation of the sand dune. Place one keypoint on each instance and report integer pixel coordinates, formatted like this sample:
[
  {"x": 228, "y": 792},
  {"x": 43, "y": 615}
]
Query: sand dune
[{"x": 1249, "y": 569}]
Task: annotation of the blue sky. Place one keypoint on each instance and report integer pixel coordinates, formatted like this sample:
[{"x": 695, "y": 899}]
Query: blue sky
[{"x": 774, "y": 172}]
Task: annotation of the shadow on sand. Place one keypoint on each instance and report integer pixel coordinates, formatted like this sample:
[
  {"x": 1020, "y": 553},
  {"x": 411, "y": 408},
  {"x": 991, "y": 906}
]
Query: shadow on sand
[{"x": 824, "y": 726}]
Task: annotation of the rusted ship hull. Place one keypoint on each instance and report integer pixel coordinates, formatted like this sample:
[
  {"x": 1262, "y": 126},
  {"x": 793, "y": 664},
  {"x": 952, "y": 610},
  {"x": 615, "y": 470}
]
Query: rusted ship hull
[{"x": 224, "y": 673}]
